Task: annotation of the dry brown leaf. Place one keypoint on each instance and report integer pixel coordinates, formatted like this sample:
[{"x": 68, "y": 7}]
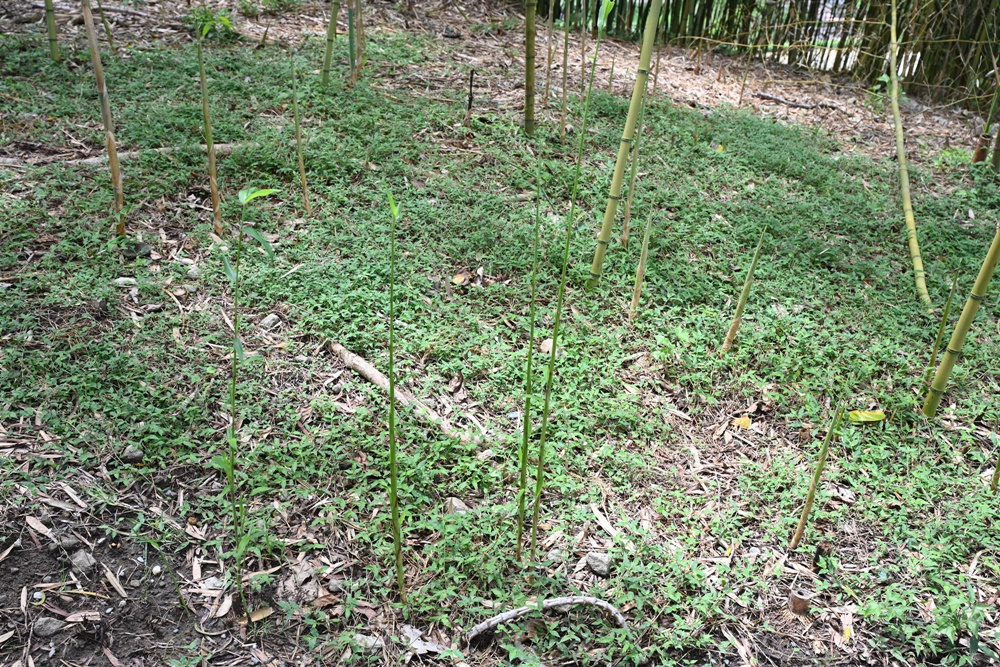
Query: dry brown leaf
[
  {"x": 225, "y": 606},
  {"x": 113, "y": 580},
  {"x": 325, "y": 600},
  {"x": 258, "y": 615},
  {"x": 38, "y": 527},
  {"x": 5, "y": 636},
  {"x": 81, "y": 616}
]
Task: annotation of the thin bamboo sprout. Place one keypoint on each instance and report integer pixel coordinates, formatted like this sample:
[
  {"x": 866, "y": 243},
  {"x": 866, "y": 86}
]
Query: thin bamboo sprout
[
  {"x": 548, "y": 54},
  {"x": 640, "y": 273},
  {"x": 565, "y": 68},
  {"x": 656, "y": 74},
  {"x": 904, "y": 178},
  {"x": 529, "y": 67},
  {"x": 954, "y": 348},
  {"x": 107, "y": 29},
  {"x": 361, "y": 45},
  {"x": 540, "y": 470},
  {"x": 298, "y": 140},
  {"x": 743, "y": 84},
  {"x": 611, "y": 77},
  {"x": 213, "y": 177},
  {"x": 528, "y": 378},
  {"x": 634, "y": 168},
  {"x": 734, "y": 327},
  {"x": 811, "y": 496},
  {"x": 109, "y": 126},
  {"x": 331, "y": 37},
  {"x": 995, "y": 161},
  {"x": 628, "y": 136},
  {"x": 393, "y": 474},
  {"x": 583, "y": 46},
  {"x": 940, "y": 333},
  {"x": 351, "y": 41},
  {"x": 996, "y": 478},
  {"x": 53, "y": 32}
]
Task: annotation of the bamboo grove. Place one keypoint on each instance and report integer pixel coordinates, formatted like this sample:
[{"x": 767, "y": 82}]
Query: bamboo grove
[{"x": 947, "y": 47}]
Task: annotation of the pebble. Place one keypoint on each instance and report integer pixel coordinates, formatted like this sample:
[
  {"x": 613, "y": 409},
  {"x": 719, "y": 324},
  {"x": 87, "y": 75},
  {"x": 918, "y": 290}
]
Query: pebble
[
  {"x": 194, "y": 272},
  {"x": 270, "y": 321},
  {"x": 368, "y": 642},
  {"x": 455, "y": 506},
  {"x": 132, "y": 454},
  {"x": 48, "y": 626},
  {"x": 157, "y": 570},
  {"x": 82, "y": 561},
  {"x": 125, "y": 282},
  {"x": 599, "y": 564}
]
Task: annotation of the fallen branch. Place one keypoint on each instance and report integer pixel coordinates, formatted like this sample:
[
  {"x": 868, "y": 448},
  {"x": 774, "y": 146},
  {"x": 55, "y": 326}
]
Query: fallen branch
[
  {"x": 220, "y": 149},
  {"x": 491, "y": 623},
  {"x": 363, "y": 368},
  {"x": 797, "y": 105}
]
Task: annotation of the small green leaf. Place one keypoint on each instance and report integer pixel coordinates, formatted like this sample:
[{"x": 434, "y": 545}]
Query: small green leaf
[
  {"x": 230, "y": 271},
  {"x": 866, "y": 415},
  {"x": 248, "y": 195},
  {"x": 392, "y": 205},
  {"x": 238, "y": 348},
  {"x": 205, "y": 28},
  {"x": 255, "y": 234},
  {"x": 221, "y": 463}
]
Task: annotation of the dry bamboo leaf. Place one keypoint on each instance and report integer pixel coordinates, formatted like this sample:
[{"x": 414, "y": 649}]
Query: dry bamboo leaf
[
  {"x": 5, "y": 636},
  {"x": 259, "y": 614},
  {"x": 603, "y": 521},
  {"x": 225, "y": 606},
  {"x": 743, "y": 422},
  {"x": 38, "y": 527},
  {"x": 6, "y": 552},
  {"x": 866, "y": 415},
  {"x": 81, "y": 616},
  {"x": 113, "y": 580}
]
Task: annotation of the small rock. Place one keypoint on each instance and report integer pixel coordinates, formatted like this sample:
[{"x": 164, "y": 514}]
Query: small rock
[
  {"x": 135, "y": 250},
  {"x": 68, "y": 542},
  {"x": 451, "y": 33},
  {"x": 368, "y": 642},
  {"x": 335, "y": 586},
  {"x": 157, "y": 570},
  {"x": 455, "y": 506},
  {"x": 599, "y": 564},
  {"x": 212, "y": 583},
  {"x": 556, "y": 555},
  {"x": 124, "y": 282},
  {"x": 270, "y": 321},
  {"x": 132, "y": 454},
  {"x": 194, "y": 272},
  {"x": 189, "y": 288},
  {"x": 486, "y": 455},
  {"x": 82, "y": 561},
  {"x": 48, "y": 626}
]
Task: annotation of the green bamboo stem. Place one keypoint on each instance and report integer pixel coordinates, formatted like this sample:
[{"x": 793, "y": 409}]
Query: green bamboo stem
[
  {"x": 996, "y": 478},
  {"x": 108, "y": 121},
  {"x": 331, "y": 37},
  {"x": 904, "y": 178},
  {"x": 583, "y": 46},
  {"x": 53, "y": 32},
  {"x": 640, "y": 273},
  {"x": 393, "y": 464},
  {"x": 362, "y": 56},
  {"x": 546, "y": 408},
  {"x": 107, "y": 29},
  {"x": 565, "y": 68},
  {"x": 638, "y": 92},
  {"x": 734, "y": 327},
  {"x": 940, "y": 333},
  {"x": 529, "y": 67},
  {"x": 811, "y": 496},
  {"x": 548, "y": 56},
  {"x": 954, "y": 349},
  {"x": 528, "y": 379},
  {"x": 352, "y": 41},
  {"x": 995, "y": 161},
  {"x": 213, "y": 176},
  {"x": 634, "y": 169},
  {"x": 298, "y": 140}
]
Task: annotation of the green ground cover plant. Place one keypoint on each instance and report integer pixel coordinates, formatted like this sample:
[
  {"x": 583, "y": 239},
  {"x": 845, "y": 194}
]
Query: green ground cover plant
[{"x": 640, "y": 427}]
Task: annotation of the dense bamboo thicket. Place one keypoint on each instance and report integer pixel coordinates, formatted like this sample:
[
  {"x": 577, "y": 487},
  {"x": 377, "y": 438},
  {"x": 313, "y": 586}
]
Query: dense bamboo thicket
[{"x": 946, "y": 47}]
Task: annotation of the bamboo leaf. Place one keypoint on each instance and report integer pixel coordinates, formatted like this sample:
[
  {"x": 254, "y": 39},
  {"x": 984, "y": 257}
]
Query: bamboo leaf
[
  {"x": 249, "y": 194},
  {"x": 392, "y": 205},
  {"x": 230, "y": 271},
  {"x": 255, "y": 234},
  {"x": 238, "y": 348},
  {"x": 866, "y": 415}
]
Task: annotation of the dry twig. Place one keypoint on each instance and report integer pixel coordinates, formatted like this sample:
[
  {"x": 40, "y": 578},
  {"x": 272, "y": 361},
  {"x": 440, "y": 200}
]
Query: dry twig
[{"x": 491, "y": 623}]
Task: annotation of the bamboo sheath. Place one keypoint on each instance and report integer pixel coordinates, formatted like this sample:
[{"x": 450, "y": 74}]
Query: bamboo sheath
[
  {"x": 904, "y": 179},
  {"x": 954, "y": 349},
  {"x": 628, "y": 136},
  {"x": 109, "y": 126}
]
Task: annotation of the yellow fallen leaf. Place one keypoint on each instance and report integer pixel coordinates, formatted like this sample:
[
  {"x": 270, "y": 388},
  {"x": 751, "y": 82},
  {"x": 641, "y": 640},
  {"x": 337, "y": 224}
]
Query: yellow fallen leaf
[
  {"x": 866, "y": 415},
  {"x": 462, "y": 278},
  {"x": 260, "y": 614},
  {"x": 743, "y": 422}
]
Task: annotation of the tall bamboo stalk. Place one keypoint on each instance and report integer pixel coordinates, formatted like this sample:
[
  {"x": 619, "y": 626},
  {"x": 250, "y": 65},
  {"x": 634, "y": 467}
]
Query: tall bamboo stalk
[
  {"x": 628, "y": 136},
  {"x": 634, "y": 169},
  {"x": 352, "y": 40},
  {"x": 811, "y": 496},
  {"x": 397, "y": 540},
  {"x": 904, "y": 178},
  {"x": 331, "y": 37},
  {"x": 548, "y": 55},
  {"x": 734, "y": 327},
  {"x": 640, "y": 273},
  {"x": 108, "y": 121},
  {"x": 213, "y": 176},
  {"x": 107, "y": 29},
  {"x": 529, "y": 67},
  {"x": 954, "y": 348},
  {"x": 298, "y": 139},
  {"x": 53, "y": 32},
  {"x": 565, "y": 72},
  {"x": 940, "y": 333}
]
